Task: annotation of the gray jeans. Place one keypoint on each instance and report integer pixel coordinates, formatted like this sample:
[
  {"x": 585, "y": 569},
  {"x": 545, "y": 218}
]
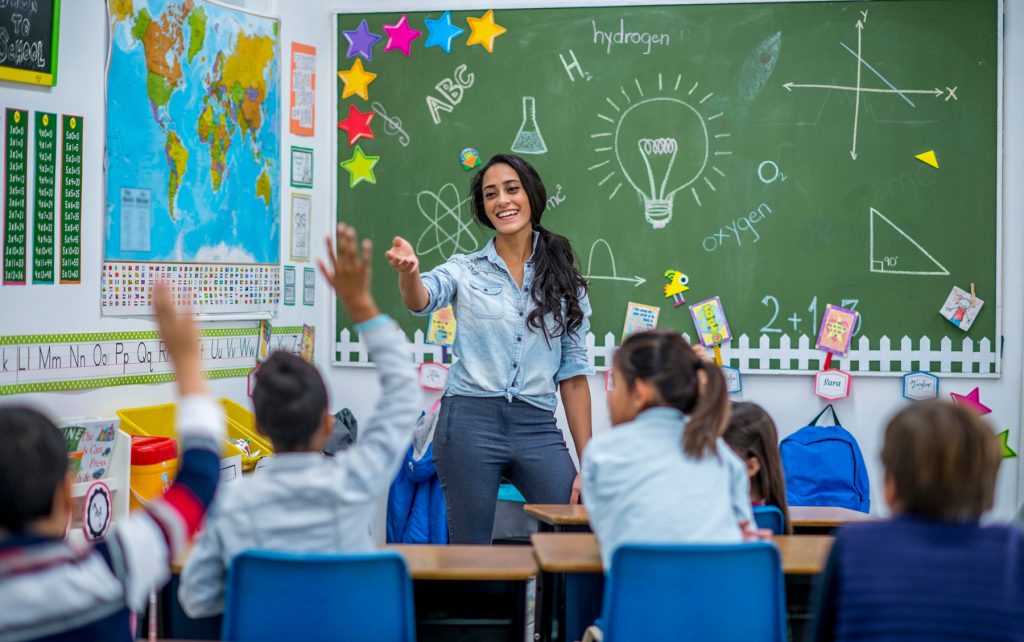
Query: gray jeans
[{"x": 478, "y": 441}]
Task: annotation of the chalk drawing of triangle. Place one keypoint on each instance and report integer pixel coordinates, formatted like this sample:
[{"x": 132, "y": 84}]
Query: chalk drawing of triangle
[{"x": 897, "y": 253}]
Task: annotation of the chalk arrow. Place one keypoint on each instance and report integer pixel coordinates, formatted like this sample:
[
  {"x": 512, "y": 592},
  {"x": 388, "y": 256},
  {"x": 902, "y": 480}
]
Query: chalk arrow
[{"x": 637, "y": 281}]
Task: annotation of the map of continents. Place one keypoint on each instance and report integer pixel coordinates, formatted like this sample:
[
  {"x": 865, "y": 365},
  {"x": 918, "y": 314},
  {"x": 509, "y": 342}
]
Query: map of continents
[{"x": 193, "y": 134}]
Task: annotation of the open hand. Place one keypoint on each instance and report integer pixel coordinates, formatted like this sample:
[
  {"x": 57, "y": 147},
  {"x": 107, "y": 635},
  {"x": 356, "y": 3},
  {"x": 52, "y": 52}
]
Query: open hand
[
  {"x": 402, "y": 257},
  {"x": 347, "y": 269}
]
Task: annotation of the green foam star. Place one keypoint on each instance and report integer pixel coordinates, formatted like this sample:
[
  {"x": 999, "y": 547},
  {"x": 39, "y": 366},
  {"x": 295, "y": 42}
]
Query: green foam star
[{"x": 1004, "y": 443}]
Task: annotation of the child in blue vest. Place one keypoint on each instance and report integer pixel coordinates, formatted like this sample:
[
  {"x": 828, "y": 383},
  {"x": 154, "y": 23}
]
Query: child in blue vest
[
  {"x": 752, "y": 435},
  {"x": 932, "y": 572},
  {"x": 663, "y": 474}
]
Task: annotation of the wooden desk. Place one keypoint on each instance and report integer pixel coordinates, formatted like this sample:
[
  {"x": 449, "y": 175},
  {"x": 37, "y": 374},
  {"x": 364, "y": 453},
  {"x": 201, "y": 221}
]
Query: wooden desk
[
  {"x": 566, "y": 558},
  {"x": 469, "y": 592},
  {"x": 819, "y": 519}
]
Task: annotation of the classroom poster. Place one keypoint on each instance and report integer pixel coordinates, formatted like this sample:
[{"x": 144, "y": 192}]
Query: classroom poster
[
  {"x": 289, "y": 285},
  {"x": 71, "y": 199},
  {"x": 302, "y": 167},
  {"x": 303, "y": 85},
  {"x": 308, "y": 286},
  {"x": 639, "y": 318},
  {"x": 302, "y": 209},
  {"x": 15, "y": 200},
  {"x": 45, "y": 201},
  {"x": 709, "y": 319},
  {"x": 204, "y": 140},
  {"x": 90, "y": 446}
]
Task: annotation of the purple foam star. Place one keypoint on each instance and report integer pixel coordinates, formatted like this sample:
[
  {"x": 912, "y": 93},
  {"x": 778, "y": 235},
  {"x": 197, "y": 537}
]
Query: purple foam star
[{"x": 361, "y": 41}]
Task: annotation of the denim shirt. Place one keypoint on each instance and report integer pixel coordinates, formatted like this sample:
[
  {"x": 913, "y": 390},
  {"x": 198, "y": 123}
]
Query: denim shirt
[{"x": 499, "y": 355}]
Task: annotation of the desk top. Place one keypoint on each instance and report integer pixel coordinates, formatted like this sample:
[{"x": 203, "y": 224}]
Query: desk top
[
  {"x": 465, "y": 562},
  {"x": 579, "y": 553},
  {"x": 801, "y": 516}
]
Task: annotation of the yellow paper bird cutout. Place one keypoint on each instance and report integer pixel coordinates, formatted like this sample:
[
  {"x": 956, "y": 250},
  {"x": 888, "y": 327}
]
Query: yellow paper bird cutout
[{"x": 676, "y": 286}]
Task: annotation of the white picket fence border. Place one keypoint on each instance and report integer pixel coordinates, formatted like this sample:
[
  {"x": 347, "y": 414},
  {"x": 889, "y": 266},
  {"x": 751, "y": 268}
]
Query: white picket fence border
[{"x": 782, "y": 358}]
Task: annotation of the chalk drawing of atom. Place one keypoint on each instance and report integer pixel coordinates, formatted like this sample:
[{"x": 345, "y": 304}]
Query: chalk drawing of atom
[{"x": 446, "y": 233}]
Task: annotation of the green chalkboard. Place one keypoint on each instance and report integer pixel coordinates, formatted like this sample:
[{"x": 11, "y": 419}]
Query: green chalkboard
[
  {"x": 765, "y": 150},
  {"x": 29, "y": 31}
]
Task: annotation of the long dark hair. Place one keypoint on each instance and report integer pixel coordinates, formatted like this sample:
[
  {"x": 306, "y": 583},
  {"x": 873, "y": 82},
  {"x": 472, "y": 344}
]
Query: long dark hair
[
  {"x": 666, "y": 361},
  {"x": 556, "y": 277},
  {"x": 752, "y": 433}
]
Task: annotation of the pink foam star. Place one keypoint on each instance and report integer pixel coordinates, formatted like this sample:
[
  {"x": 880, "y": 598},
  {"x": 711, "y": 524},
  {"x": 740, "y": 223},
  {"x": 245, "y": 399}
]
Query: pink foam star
[
  {"x": 971, "y": 401},
  {"x": 400, "y": 35}
]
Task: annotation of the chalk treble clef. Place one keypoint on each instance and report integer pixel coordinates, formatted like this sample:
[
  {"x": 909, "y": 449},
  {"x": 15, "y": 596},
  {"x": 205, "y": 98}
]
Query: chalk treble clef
[{"x": 391, "y": 125}]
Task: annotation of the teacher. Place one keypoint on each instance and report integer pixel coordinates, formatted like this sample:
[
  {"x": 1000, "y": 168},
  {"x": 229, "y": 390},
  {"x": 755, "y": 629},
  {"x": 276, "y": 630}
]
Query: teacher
[{"x": 523, "y": 315}]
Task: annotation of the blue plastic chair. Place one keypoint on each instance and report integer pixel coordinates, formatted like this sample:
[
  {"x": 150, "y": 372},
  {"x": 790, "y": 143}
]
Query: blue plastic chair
[
  {"x": 770, "y": 517},
  {"x": 276, "y": 596},
  {"x": 695, "y": 592}
]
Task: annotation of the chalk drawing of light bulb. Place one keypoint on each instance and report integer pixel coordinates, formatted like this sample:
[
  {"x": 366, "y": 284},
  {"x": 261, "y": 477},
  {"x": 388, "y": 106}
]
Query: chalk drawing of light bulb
[{"x": 661, "y": 145}]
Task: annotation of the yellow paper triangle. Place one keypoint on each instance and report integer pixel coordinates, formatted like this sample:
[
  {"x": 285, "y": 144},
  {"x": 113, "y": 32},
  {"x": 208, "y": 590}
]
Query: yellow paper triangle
[{"x": 929, "y": 158}]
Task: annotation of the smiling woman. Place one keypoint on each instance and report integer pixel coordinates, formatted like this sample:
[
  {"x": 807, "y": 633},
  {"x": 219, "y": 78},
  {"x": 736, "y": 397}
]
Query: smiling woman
[{"x": 523, "y": 316}]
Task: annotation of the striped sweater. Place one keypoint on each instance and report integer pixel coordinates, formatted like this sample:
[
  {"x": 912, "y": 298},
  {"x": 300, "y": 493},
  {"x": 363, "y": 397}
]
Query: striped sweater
[
  {"x": 912, "y": 579},
  {"x": 52, "y": 590}
]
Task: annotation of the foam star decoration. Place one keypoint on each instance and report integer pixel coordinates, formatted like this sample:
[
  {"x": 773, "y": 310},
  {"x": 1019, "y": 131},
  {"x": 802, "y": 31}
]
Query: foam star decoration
[
  {"x": 361, "y": 41},
  {"x": 484, "y": 31},
  {"x": 1004, "y": 444},
  {"x": 357, "y": 125},
  {"x": 400, "y": 35},
  {"x": 442, "y": 32},
  {"x": 356, "y": 81},
  {"x": 360, "y": 167},
  {"x": 971, "y": 401}
]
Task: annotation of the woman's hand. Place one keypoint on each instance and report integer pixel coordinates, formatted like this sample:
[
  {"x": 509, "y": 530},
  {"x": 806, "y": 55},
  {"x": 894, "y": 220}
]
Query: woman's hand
[
  {"x": 577, "y": 484},
  {"x": 402, "y": 257}
]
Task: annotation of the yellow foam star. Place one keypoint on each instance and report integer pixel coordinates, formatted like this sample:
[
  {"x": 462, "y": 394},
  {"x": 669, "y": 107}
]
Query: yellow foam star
[
  {"x": 360, "y": 167},
  {"x": 356, "y": 80},
  {"x": 484, "y": 31}
]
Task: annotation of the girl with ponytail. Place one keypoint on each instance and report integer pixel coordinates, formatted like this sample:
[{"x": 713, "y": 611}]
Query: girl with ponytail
[
  {"x": 663, "y": 474},
  {"x": 523, "y": 316}
]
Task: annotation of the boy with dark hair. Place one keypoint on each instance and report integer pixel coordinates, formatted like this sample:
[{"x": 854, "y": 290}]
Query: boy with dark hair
[
  {"x": 304, "y": 501},
  {"x": 53, "y": 590},
  {"x": 932, "y": 572}
]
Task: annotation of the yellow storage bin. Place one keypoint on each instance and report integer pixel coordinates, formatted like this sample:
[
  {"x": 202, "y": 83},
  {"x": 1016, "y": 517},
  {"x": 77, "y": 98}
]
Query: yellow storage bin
[
  {"x": 246, "y": 421},
  {"x": 158, "y": 421}
]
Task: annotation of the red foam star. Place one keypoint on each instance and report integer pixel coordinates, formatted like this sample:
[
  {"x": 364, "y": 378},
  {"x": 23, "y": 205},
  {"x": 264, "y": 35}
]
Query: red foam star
[
  {"x": 357, "y": 125},
  {"x": 971, "y": 400}
]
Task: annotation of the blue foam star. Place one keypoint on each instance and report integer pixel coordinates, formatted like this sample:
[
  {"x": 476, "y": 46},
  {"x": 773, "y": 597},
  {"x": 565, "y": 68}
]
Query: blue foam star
[{"x": 442, "y": 32}]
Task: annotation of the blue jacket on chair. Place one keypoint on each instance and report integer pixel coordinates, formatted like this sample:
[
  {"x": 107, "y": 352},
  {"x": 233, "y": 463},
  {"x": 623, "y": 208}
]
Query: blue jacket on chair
[{"x": 416, "y": 508}]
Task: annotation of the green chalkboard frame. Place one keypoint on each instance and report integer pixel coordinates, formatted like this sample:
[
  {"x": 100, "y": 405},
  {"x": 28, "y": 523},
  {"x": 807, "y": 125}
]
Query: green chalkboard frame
[
  {"x": 892, "y": 356},
  {"x": 48, "y": 78}
]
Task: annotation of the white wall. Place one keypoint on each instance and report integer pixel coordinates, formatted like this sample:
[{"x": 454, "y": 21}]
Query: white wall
[{"x": 75, "y": 308}]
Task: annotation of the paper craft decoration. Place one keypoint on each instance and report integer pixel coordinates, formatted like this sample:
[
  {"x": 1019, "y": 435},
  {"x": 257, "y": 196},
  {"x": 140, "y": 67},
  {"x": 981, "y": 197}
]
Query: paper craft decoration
[
  {"x": 441, "y": 327},
  {"x": 832, "y": 384},
  {"x": 961, "y": 308},
  {"x": 709, "y": 319},
  {"x": 360, "y": 167},
  {"x": 90, "y": 446},
  {"x": 357, "y": 124},
  {"x": 469, "y": 158},
  {"x": 971, "y": 401},
  {"x": 733, "y": 380},
  {"x": 836, "y": 330},
  {"x": 97, "y": 511},
  {"x": 357, "y": 81},
  {"x": 639, "y": 318},
  {"x": 400, "y": 35},
  {"x": 918, "y": 386},
  {"x": 442, "y": 32},
  {"x": 308, "y": 343},
  {"x": 484, "y": 31},
  {"x": 433, "y": 376},
  {"x": 264, "y": 332},
  {"x": 928, "y": 158},
  {"x": 1004, "y": 445},
  {"x": 677, "y": 284}
]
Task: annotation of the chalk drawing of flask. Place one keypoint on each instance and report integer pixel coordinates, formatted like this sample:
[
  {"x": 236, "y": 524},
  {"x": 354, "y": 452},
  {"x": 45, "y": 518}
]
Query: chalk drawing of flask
[{"x": 529, "y": 140}]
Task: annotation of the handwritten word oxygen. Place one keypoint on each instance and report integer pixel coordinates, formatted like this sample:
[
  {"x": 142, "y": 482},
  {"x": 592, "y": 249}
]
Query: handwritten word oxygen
[
  {"x": 735, "y": 231},
  {"x": 623, "y": 37}
]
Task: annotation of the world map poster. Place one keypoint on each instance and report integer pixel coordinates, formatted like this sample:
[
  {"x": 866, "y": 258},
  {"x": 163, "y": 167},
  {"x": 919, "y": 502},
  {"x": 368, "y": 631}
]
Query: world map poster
[{"x": 193, "y": 153}]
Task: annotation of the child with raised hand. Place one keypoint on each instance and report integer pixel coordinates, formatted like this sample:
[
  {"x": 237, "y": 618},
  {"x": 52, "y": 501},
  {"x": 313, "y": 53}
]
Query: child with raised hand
[
  {"x": 663, "y": 474},
  {"x": 304, "y": 501},
  {"x": 932, "y": 572},
  {"x": 752, "y": 435},
  {"x": 51, "y": 589}
]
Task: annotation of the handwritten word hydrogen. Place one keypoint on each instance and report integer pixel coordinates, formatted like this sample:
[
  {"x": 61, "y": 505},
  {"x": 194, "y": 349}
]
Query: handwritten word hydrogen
[{"x": 623, "y": 37}]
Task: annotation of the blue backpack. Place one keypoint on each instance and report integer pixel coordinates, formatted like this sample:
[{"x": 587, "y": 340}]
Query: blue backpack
[{"x": 824, "y": 467}]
